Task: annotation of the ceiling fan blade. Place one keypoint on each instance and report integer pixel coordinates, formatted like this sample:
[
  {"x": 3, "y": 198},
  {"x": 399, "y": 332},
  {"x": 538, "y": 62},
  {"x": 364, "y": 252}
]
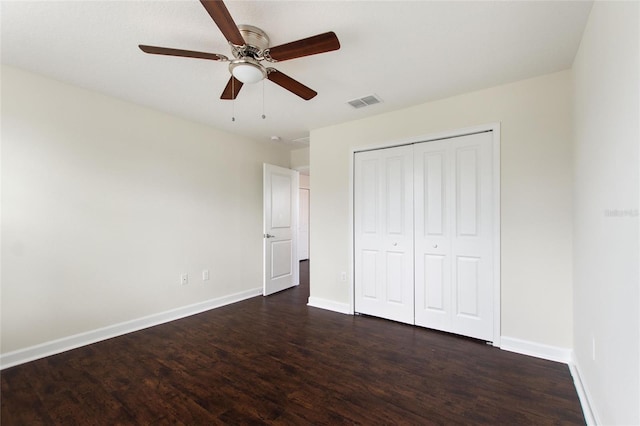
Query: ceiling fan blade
[
  {"x": 234, "y": 85},
  {"x": 224, "y": 21},
  {"x": 290, "y": 84},
  {"x": 179, "y": 52},
  {"x": 320, "y": 43}
]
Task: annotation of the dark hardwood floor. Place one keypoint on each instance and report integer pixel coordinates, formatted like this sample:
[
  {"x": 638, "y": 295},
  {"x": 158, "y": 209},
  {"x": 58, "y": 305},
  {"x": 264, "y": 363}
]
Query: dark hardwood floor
[{"x": 276, "y": 361}]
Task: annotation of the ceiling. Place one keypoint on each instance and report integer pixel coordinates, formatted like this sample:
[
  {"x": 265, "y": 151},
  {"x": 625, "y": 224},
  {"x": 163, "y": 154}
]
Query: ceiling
[{"x": 406, "y": 52}]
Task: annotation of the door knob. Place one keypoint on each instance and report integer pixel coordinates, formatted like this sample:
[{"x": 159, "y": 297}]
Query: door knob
[
  {"x": 395, "y": 244},
  {"x": 269, "y": 236},
  {"x": 435, "y": 246}
]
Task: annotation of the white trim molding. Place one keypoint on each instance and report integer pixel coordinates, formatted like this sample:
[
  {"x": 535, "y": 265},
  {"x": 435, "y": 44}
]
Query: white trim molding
[
  {"x": 64, "y": 344},
  {"x": 590, "y": 415},
  {"x": 538, "y": 350},
  {"x": 557, "y": 354},
  {"x": 329, "y": 305}
]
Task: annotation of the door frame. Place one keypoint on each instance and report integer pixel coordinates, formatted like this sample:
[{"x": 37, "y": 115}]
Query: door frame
[
  {"x": 305, "y": 171},
  {"x": 449, "y": 134}
]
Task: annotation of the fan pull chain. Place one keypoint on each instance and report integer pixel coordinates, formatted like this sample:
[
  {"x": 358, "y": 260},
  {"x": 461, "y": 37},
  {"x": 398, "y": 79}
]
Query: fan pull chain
[
  {"x": 263, "y": 116},
  {"x": 233, "y": 100}
]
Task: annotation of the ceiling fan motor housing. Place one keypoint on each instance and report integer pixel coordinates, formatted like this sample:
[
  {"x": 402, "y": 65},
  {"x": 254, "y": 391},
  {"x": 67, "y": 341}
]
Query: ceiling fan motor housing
[{"x": 256, "y": 42}]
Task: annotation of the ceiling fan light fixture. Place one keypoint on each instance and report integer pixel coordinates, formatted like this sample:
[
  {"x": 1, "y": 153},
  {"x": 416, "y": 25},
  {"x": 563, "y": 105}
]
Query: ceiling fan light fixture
[
  {"x": 247, "y": 70},
  {"x": 249, "y": 46}
]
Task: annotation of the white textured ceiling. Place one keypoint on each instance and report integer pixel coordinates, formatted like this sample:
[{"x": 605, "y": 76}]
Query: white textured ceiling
[{"x": 406, "y": 52}]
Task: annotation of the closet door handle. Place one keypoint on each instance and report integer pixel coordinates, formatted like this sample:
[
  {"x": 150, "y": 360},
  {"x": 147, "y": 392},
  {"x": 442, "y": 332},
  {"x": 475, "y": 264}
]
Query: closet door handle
[{"x": 435, "y": 246}]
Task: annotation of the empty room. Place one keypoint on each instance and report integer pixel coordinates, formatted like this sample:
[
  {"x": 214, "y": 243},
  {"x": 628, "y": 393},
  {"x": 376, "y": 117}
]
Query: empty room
[{"x": 320, "y": 212}]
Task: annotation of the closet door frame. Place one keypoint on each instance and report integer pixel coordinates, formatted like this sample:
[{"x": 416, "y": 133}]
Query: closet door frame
[{"x": 491, "y": 127}]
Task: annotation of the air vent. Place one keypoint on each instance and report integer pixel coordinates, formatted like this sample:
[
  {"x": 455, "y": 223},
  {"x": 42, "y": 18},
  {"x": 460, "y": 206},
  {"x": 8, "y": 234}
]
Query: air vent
[{"x": 365, "y": 101}]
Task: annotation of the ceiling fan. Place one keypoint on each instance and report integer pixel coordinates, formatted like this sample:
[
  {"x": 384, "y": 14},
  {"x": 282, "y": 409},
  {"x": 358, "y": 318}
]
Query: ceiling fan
[{"x": 250, "y": 46}]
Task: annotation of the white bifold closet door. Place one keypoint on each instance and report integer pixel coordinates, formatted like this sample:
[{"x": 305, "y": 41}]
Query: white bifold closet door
[
  {"x": 453, "y": 197},
  {"x": 384, "y": 228},
  {"x": 423, "y": 234}
]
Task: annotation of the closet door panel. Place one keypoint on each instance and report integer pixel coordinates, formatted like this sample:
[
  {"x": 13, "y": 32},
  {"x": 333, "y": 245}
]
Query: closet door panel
[
  {"x": 453, "y": 213},
  {"x": 472, "y": 245},
  {"x": 383, "y": 210},
  {"x": 423, "y": 234},
  {"x": 467, "y": 182},
  {"x": 435, "y": 288},
  {"x": 432, "y": 235}
]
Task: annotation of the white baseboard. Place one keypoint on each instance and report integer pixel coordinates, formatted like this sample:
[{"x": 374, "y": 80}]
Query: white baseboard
[
  {"x": 329, "y": 305},
  {"x": 590, "y": 415},
  {"x": 64, "y": 344},
  {"x": 558, "y": 354},
  {"x": 538, "y": 350}
]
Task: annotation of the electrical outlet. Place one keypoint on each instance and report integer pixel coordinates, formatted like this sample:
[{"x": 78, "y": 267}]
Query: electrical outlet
[
  {"x": 184, "y": 279},
  {"x": 593, "y": 347},
  {"x": 205, "y": 275},
  {"x": 343, "y": 276}
]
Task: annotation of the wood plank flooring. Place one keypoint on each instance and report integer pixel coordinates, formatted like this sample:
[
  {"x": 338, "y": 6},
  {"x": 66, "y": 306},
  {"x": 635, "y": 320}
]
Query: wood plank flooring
[{"x": 276, "y": 361}]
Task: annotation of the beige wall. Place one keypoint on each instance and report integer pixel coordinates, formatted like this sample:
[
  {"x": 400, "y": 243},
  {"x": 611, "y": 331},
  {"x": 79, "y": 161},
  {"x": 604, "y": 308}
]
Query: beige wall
[
  {"x": 607, "y": 253},
  {"x": 535, "y": 187},
  {"x": 300, "y": 158},
  {"x": 105, "y": 204}
]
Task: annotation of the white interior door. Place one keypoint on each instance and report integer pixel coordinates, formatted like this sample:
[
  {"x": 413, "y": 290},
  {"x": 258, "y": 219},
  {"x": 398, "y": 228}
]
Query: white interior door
[
  {"x": 424, "y": 234},
  {"x": 280, "y": 206},
  {"x": 453, "y": 235},
  {"x": 384, "y": 233},
  {"x": 303, "y": 225}
]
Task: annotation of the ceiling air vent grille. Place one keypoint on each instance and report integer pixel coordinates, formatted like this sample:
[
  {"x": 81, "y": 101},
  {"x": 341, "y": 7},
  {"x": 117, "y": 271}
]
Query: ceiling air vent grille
[{"x": 365, "y": 101}]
